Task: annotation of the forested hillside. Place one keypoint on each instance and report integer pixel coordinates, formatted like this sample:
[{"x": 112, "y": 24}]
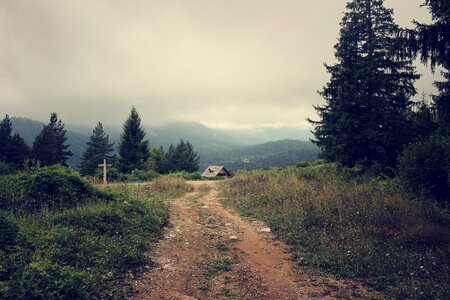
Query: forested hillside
[{"x": 232, "y": 149}]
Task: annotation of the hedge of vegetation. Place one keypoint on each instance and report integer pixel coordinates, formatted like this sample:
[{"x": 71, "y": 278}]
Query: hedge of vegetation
[
  {"x": 50, "y": 188},
  {"x": 424, "y": 168},
  {"x": 87, "y": 251},
  {"x": 358, "y": 230}
]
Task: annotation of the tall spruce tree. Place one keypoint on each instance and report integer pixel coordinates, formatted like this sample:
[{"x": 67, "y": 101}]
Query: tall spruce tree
[
  {"x": 367, "y": 99},
  {"x": 50, "y": 147},
  {"x": 432, "y": 41},
  {"x": 133, "y": 149},
  {"x": 192, "y": 157},
  {"x": 5, "y": 135},
  {"x": 188, "y": 159},
  {"x": 97, "y": 149},
  {"x": 182, "y": 157},
  {"x": 157, "y": 160},
  {"x": 170, "y": 160},
  {"x": 13, "y": 149}
]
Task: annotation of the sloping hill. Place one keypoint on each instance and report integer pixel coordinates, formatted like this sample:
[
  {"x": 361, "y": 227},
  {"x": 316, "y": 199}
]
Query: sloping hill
[{"x": 272, "y": 154}]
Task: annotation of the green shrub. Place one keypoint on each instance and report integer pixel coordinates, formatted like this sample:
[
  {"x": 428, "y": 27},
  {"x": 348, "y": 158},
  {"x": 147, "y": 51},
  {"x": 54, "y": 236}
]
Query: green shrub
[
  {"x": 8, "y": 232},
  {"x": 6, "y": 168},
  {"x": 186, "y": 175},
  {"x": 141, "y": 175},
  {"x": 49, "y": 188},
  {"x": 84, "y": 252},
  {"x": 45, "y": 280},
  {"x": 424, "y": 168}
]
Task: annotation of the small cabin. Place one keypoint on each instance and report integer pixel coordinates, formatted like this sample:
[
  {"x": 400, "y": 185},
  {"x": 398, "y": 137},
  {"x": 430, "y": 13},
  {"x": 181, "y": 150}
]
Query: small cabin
[{"x": 216, "y": 171}]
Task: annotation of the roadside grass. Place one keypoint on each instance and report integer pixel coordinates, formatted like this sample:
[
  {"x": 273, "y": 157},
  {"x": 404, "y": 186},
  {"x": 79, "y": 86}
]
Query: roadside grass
[
  {"x": 85, "y": 248},
  {"x": 171, "y": 186},
  {"x": 164, "y": 187},
  {"x": 360, "y": 230}
]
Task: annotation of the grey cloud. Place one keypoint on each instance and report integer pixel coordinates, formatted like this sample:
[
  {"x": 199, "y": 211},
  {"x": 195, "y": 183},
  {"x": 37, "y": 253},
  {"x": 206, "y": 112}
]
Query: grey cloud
[{"x": 224, "y": 63}]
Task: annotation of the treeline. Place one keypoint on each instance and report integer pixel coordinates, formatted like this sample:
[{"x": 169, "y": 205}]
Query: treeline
[
  {"x": 133, "y": 156},
  {"x": 370, "y": 120}
]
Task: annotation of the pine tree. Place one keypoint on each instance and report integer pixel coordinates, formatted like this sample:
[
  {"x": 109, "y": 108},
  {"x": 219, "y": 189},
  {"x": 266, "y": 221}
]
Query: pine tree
[
  {"x": 50, "y": 147},
  {"x": 13, "y": 149},
  {"x": 367, "y": 98},
  {"x": 170, "y": 160},
  {"x": 157, "y": 160},
  {"x": 18, "y": 151},
  {"x": 133, "y": 149},
  {"x": 182, "y": 157},
  {"x": 97, "y": 149},
  {"x": 432, "y": 41},
  {"x": 5, "y": 135},
  {"x": 188, "y": 159},
  {"x": 423, "y": 119}
]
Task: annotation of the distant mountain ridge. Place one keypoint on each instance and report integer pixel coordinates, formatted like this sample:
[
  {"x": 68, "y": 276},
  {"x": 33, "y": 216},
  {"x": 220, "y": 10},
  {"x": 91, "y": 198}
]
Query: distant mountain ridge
[{"x": 231, "y": 148}]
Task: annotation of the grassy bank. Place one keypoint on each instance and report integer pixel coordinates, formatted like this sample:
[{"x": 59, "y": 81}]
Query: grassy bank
[
  {"x": 355, "y": 230},
  {"x": 82, "y": 248}
]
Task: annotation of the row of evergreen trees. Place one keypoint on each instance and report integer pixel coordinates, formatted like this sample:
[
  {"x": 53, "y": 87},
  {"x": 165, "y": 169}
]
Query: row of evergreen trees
[
  {"x": 369, "y": 117},
  {"x": 13, "y": 149},
  {"x": 50, "y": 147},
  {"x": 134, "y": 152}
]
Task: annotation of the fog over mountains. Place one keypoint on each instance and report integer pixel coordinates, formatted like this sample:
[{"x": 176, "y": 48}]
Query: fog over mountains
[{"x": 237, "y": 148}]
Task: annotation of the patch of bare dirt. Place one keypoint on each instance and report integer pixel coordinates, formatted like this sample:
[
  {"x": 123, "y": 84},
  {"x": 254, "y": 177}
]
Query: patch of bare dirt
[{"x": 209, "y": 252}]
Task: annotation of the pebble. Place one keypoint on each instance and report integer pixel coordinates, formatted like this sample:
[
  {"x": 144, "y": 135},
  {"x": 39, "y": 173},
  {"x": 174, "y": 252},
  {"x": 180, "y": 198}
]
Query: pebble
[{"x": 267, "y": 229}]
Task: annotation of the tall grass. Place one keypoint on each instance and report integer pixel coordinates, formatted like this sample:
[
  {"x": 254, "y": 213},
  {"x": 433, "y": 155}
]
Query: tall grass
[
  {"x": 354, "y": 230},
  {"x": 173, "y": 186}
]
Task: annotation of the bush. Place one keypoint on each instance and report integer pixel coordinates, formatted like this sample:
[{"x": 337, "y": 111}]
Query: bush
[
  {"x": 187, "y": 176},
  {"x": 8, "y": 232},
  {"x": 45, "y": 280},
  {"x": 424, "y": 168},
  {"x": 79, "y": 253},
  {"x": 6, "y": 168},
  {"x": 141, "y": 175},
  {"x": 49, "y": 188}
]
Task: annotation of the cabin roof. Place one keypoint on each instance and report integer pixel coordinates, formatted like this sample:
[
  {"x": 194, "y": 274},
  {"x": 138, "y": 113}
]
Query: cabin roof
[{"x": 213, "y": 171}]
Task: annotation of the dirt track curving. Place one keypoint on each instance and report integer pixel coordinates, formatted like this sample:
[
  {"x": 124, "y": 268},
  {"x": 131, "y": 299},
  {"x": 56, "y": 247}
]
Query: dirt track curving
[{"x": 209, "y": 252}]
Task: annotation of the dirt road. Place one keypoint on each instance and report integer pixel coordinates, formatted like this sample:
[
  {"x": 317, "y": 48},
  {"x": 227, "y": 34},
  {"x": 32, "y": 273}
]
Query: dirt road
[{"x": 209, "y": 252}]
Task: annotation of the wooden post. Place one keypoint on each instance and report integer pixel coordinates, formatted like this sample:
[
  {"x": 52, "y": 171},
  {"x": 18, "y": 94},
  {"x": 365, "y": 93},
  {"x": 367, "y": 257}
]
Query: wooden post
[{"x": 104, "y": 165}]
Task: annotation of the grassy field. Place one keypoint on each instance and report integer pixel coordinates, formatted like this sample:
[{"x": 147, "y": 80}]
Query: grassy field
[
  {"x": 77, "y": 242},
  {"x": 353, "y": 229}
]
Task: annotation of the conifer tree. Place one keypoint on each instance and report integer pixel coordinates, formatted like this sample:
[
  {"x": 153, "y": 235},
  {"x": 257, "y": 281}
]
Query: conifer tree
[
  {"x": 50, "y": 147},
  {"x": 187, "y": 158},
  {"x": 367, "y": 99},
  {"x": 97, "y": 149},
  {"x": 157, "y": 160},
  {"x": 133, "y": 149},
  {"x": 13, "y": 149},
  {"x": 170, "y": 160},
  {"x": 5, "y": 134},
  {"x": 432, "y": 41},
  {"x": 182, "y": 157}
]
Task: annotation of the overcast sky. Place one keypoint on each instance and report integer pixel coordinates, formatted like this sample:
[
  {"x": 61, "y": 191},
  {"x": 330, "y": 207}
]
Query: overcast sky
[{"x": 227, "y": 63}]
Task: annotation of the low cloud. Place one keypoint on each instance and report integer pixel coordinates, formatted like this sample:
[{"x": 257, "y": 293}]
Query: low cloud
[{"x": 223, "y": 63}]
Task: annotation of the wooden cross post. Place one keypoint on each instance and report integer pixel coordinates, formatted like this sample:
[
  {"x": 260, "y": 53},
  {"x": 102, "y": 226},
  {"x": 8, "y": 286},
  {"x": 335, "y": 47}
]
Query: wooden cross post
[{"x": 104, "y": 165}]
